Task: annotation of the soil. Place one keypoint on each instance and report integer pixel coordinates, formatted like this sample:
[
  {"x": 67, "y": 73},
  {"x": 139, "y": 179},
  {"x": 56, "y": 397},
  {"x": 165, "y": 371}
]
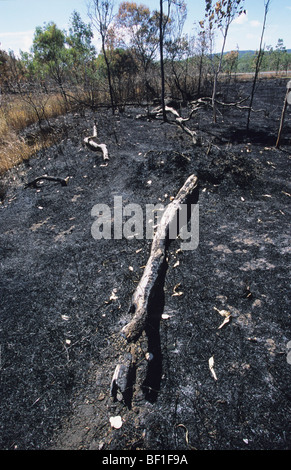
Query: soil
[{"x": 65, "y": 295}]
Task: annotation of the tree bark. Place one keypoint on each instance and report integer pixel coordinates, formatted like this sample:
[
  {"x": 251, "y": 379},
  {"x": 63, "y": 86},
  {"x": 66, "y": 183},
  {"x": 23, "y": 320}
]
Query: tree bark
[
  {"x": 214, "y": 91},
  {"x": 162, "y": 61},
  {"x": 108, "y": 75},
  {"x": 282, "y": 119},
  {"x": 258, "y": 64}
]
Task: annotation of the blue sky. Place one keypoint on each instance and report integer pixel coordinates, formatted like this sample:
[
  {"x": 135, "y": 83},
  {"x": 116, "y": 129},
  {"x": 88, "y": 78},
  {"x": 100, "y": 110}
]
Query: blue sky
[{"x": 19, "y": 18}]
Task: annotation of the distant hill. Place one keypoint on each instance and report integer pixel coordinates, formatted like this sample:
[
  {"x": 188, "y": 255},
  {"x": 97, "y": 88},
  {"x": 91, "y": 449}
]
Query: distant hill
[
  {"x": 271, "y": 61},
  {"x": 242, "y": 53}
]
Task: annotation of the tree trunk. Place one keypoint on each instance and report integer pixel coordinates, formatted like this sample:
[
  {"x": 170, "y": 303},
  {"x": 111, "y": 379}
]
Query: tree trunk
[
  {"x": 258, "y": 65},
  {"x": 108, "y": 75},
  {"x": 162, "y": 61},
  {"x": 216, "y": 76},
  {"x": 282, "y": 119}
]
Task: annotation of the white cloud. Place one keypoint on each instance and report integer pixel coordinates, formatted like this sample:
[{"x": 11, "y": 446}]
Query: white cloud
[
  {"x": 15, "y": 41},
  {"x": 241, "y": 19},
  {"x": 255, "y": 23},
  {"x": 244, "y": 20}
]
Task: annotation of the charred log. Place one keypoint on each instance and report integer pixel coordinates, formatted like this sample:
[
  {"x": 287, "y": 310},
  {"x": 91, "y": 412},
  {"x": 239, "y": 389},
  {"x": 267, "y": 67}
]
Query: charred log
[
  {"x": 62, "y": 181},
  {"x": 147, "y": 305},
  {"x": 154, "y": 272}
]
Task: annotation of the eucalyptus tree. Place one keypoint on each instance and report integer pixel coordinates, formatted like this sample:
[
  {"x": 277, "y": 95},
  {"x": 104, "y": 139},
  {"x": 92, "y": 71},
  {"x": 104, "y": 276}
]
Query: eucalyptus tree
[
  {"x": 258, "y": 61},
  {"x": 179, "y": 55},
  {"x": 221, "y": 14},
  {"x": 137, "y": 29},
  {"x": 164, "y": 22},
  {"x": 82, "y": 55},
  {"x": 79, "y": 41},
  {"x": 280, "y": 54},
  {"x": 6, "y": 82},
  {"x": 101, "y": 14},
  {"x": 203, "y": 43},
  {"x": 50, "y": 55}
]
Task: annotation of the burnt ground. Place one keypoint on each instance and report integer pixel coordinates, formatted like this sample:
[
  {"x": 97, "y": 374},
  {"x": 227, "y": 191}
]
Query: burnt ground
[{"x": 60, "y": 324}]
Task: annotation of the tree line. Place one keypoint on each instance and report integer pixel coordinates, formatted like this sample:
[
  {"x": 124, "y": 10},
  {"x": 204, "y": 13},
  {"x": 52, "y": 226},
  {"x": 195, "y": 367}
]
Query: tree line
[{"x": 143, "y": 55}]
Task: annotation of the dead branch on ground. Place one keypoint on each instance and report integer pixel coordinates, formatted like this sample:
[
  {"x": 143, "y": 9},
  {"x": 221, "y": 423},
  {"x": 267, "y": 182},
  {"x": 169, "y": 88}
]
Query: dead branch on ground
[
  {"x": 196, "y": 105},
  {"x": 92, "y": 144},
  {"x": 146, "y": 298},
  {"x": 158, "y": 112},
  {"x": 34, "y": 183},
  {"x": 147, "y": 285},
  {"x": 237, "y": 105}
]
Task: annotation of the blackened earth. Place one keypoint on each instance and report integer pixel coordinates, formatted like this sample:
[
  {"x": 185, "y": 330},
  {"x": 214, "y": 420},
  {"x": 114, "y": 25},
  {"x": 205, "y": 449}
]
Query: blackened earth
[{"x": 60, "y": 324}]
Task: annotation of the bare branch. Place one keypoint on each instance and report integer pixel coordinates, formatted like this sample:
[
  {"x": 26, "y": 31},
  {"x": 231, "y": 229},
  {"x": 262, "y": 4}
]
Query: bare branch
[
  {"x": 63, "y": 181},
  {"x": 90, "y": 142}
]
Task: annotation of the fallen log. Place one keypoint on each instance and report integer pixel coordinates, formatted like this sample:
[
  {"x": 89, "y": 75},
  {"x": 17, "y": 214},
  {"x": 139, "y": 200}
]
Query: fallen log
[
  {"x": 144, "y": 294},
  {"x": 63, "y": 181},
  {"x": 147, "y": 304},
  {"x": 90, "y": 142}
]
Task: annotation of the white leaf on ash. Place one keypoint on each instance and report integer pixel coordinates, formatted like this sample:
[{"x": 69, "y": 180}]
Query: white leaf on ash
[
  {"x": 225, "y": 314},
  {"x": 65, "y": 317},
  {"x": 211, "y": 367},
  {"x": 226, "y": 320},
  {"x": 165, "y": 316},
  {"x": 113, "y": 295},
  {"x": 175, "y": 291},
  {"x": 116, "y": 422}
]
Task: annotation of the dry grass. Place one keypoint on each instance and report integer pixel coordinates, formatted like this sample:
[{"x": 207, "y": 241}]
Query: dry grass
[
  {"x": 17, "y": 113},
  {"x": 263, "y": 75}
]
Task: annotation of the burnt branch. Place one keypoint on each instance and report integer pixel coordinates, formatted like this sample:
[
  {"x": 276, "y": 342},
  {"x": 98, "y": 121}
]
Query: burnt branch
[
  {"x": 62, "y": 181},
  {"x": 147, "y": 304},
  {"x": 92, "y": 144},
  {"x": 158, "y": 112},
  {"x": 154, "y": 270}
]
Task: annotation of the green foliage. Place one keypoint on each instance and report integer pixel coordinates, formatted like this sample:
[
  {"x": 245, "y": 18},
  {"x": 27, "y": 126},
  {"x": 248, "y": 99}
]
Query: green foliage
[
  {"x": 122, "y": 62},
  {"x": 141, "y": 27},
  {"x": 48, "y": 44},
  {"x": 79, "y": 40},
  {"x": 273, "y": 60},
  {"x": 245, "y": 62},
  {"x": 49, "y": 56}
]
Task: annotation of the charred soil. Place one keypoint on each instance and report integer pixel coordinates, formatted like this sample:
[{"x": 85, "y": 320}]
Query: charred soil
[{"x": 65, "y": 296}]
